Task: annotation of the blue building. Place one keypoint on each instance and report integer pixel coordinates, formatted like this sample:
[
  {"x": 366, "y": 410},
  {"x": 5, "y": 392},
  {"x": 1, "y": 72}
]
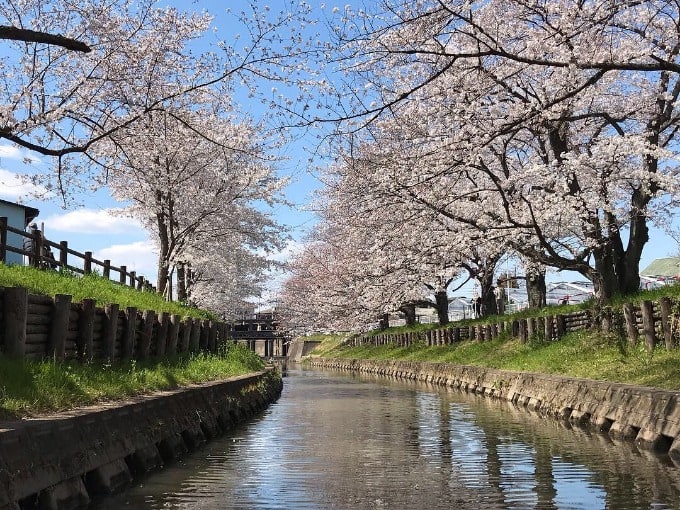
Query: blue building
[{"x": 18, "y": 217}]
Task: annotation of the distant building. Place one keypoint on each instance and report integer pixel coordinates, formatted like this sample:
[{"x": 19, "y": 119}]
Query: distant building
[
  {"x": 660, "y": 272},
  {"x": 18, "y": 217}
]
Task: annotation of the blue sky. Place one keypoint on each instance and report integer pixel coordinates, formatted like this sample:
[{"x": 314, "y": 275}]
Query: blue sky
[
  {"x": 95, "y": 227},
  {"x": 122, "y": 240}
]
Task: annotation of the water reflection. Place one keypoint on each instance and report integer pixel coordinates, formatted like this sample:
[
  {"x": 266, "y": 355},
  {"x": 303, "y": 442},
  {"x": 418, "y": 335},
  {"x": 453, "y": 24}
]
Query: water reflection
[{"x": 344, "y": 441}]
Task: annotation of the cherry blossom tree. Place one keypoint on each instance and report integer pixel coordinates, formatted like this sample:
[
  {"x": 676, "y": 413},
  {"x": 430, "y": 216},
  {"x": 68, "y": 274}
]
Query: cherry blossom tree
[
  {"x": 223, "y": 274},
  {"x": 192, "y": 177},
  {"x": 77, "y": 72},
  {"x": 554, "y": 122}
]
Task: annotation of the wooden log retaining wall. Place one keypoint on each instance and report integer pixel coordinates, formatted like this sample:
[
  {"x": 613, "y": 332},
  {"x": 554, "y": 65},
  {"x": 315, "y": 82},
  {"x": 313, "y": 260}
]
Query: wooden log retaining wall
[
  {"x": 648, "y": 322},
  {"x": 37, "y": 327}
]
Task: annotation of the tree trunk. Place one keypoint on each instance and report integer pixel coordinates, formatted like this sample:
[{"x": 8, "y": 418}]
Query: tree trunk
[
  {"x": 163, "y": 248},
  {"x": 409, "y": 311},
  {"x": 536, "y": 289},
  {"x": 637, "y": 238},
  {"x": 385, "y": 321},
  {"x": 163, "y": 275},
  {"x": 485, "y": 279},
  {"x": 181, "y": 283},
  {"x": 442, "y": 306}
]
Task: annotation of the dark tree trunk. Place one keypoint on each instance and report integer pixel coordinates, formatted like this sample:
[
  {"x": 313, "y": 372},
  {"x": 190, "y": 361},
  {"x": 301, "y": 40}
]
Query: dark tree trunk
[
  {"x": 181, "y": 283},
  {"x": 409, "y": 311},
  {"x": 163, "y": 247},
  {"x": 442, "y": 306},
  {"x": 536, "y": 289},
  {"x": 485, "y": 279},
  {"x": 385, "y": 321}
]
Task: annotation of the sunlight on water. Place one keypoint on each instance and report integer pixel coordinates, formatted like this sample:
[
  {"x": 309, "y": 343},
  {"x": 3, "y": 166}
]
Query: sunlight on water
[{"x": 344, "y": 442}]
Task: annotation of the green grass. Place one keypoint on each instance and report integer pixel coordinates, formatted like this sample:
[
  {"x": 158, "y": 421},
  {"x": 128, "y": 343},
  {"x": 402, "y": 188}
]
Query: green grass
[
  {"x": 91, "y": 286},
  {"x": 29, "y": 388},
  {"x": 581, "y": 354},
  {"x": 328, "y": 342}
]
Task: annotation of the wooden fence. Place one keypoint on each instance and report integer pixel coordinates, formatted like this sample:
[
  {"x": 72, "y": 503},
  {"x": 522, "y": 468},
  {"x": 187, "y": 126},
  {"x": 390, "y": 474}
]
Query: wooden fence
[
  {"x": 649, "y": 321},
  {"x": 36, "y": 327},
  {"x": 41, "y": 253}
]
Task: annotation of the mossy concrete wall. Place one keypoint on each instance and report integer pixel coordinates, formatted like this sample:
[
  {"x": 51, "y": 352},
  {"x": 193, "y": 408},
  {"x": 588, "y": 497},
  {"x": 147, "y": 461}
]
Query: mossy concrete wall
[
  {"x": 300, "y": 348},
  {"x": 64, "y": 461},
  {"x": 648, "y": 416}
]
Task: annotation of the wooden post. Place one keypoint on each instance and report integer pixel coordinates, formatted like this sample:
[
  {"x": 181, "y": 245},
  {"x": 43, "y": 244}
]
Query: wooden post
[
  {"x": 560, "y": 326},
  {"x": 631, "y": 327},
  {"x": 3, "y": 239},
  {"x": 173, "y": 333},
  {"x": 530, "y": 327},
  {"x": 140, "y": 282},
  {"x": 107, "y": 269},
  {"x": 84, "y": 341},
  {"x": 456, "y": 334},
  {"x": 127, "y": 343},
  {"x": 220, "y": 334},
  {"x": 162, "y": 334},
  {"x": 133, "y": 278},
  {"x": 148, "y": 319},
  {"x": 524, "y": 330},
  {"x": 110, "y": 327},
  {"x": 194, "y": 340},
  {"x": 87, "y": 262},
  {"x": 212, "y": 337},
  {"x": 14, "y": 313},
  {"x": 205, "y": 331},
  {"x": 59, "y": 326},
  {"x": 36, "y": 247},
  {"x": 539, "y": 327},
  {"x": 123, "y": 274},
  {"x": 514, "y": 328},
  {"x": 63, "y": 255},
  {"x": 548, "y": 328},
  {"x": 185, "y": 340},
  {"x": 648, "y": 324},
  {"x": 666, "y": 326}
]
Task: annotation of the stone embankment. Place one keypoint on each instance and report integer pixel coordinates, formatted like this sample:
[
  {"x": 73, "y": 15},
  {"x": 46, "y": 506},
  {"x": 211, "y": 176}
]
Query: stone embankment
[
  {"x": 648, "y": 416},
  {"x": 64, "y": 461}
]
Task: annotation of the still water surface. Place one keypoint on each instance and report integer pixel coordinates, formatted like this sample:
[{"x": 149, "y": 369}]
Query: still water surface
[{"x": 341, "y": 441}]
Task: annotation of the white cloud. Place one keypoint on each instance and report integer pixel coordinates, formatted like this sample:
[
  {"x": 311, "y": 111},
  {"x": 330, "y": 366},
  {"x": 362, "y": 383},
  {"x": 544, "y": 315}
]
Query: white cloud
[
  {"x": 92, "y": 221},
  {"x": 12, "y": 187},
  {"x": 139, "y": 256},
  {"x": 17, "y": 154},
  {"x": 291, "y": 249}
]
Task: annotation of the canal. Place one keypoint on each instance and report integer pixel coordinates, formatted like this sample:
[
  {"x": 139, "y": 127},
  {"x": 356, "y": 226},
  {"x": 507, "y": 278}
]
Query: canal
[{"x": 342, "y": 441}]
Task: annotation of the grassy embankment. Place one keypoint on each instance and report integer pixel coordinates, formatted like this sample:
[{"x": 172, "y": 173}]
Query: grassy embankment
[
  {"x": 588, "y": 354},
  {"x": 30, "y": 388}
]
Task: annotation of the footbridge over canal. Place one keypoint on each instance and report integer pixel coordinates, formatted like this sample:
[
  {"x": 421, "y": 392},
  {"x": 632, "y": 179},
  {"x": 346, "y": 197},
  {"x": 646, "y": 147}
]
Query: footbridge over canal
[{"x": 260, "y": 333}]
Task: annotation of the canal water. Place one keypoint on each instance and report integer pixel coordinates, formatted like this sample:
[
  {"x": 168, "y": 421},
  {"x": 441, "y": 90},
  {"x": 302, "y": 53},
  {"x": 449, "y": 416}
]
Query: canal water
[{"x": 341, "y": 441}]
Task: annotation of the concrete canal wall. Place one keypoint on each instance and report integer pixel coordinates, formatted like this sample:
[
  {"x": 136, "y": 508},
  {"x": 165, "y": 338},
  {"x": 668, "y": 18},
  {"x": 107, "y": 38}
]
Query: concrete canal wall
[
  {"x": 300, "y": 348},
  {"x": 650, "y": 417},
  {"x": 66, "y": 460}
]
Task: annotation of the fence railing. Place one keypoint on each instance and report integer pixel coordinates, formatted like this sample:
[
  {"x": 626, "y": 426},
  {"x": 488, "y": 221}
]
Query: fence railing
[
  {"x": 647, "y": 321},
  {"x": 41, "y": 253}
]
